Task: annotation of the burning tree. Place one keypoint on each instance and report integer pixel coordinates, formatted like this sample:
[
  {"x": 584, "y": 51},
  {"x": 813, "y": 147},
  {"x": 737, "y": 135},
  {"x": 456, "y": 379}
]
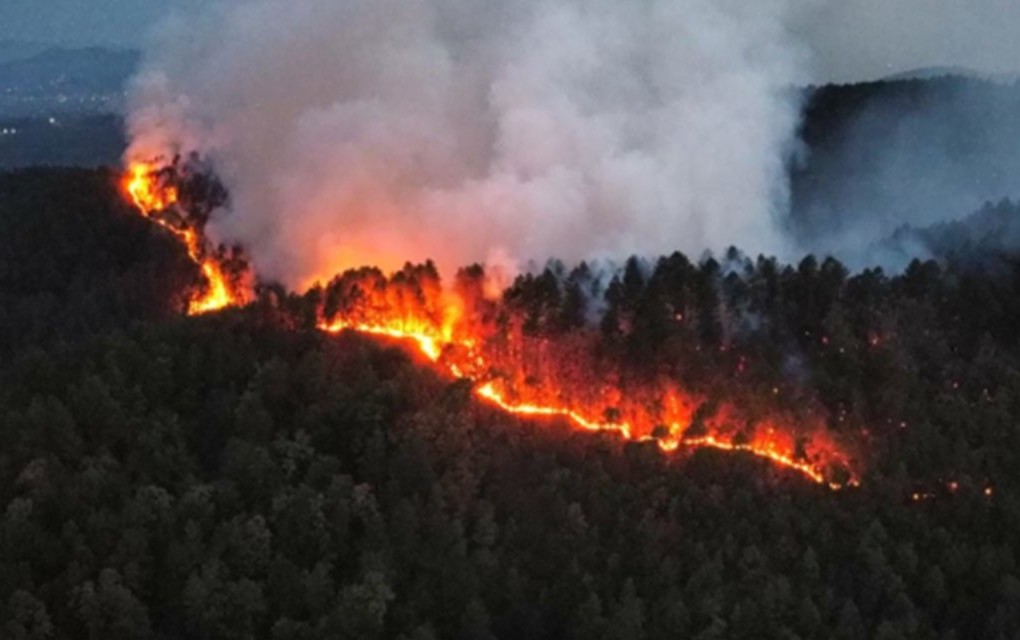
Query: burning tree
[
  {"x": 523, "y": 358},
  {"x": 636, "y": 369},
  {"x": 180, "y": 197}
]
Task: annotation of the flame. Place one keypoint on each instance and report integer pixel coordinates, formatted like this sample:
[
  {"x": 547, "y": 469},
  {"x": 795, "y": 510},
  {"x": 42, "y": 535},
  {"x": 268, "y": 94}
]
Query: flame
[
  {"x": 437, "y": 323},
  {"x": 427, "y": 344},
  {"x": 145, "y": 191},
  {"x": 217, "y": 296},
  {"x": 151, "y": 197},
  {"x": 454, "y": 350}
]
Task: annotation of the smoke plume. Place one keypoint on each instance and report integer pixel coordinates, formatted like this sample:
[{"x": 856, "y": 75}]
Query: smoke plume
[{"x": 352, "y": 132}]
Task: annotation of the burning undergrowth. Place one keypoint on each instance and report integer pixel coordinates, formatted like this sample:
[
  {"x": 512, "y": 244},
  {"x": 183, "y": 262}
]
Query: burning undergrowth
[
  {"x": 180, "y": 197},
  {"x": 532, "y": 353},
  {"x": 663, "y": 362}
]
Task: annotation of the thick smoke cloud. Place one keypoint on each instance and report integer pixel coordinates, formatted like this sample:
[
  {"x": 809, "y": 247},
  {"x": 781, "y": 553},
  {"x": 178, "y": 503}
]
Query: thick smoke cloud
[{"x": 379, "y": 131}]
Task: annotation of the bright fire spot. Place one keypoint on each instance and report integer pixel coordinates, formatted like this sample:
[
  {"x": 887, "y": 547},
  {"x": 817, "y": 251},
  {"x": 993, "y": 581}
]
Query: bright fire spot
[
  {"x": 146, "y": 192},
  {"x": 152, "y": 198}
]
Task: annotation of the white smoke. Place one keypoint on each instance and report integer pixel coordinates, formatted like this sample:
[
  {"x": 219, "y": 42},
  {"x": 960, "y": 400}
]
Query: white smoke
[{"x": 354, "y": 132}]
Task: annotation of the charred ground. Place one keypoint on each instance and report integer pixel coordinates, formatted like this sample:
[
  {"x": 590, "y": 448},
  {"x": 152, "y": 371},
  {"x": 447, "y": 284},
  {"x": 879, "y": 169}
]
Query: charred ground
[{"x": 243, "y": 475}]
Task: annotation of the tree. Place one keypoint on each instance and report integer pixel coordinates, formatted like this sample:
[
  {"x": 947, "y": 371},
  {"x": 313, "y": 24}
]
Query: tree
[
  {"x": 361, "y": 607},
  {"x": 848, "y": 624},
  {"x": 476, "y": 622},
  {"x": 628, "y": 616},
  {"x": 27, "y": 618},
  {"x": 108, "y": 609},
  {"x": 217, "y": 606}
]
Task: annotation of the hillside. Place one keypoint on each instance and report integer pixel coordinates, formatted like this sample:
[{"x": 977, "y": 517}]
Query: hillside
[
  {"x": 243, "y": 475},
  {"x": 883, "y": 154}
]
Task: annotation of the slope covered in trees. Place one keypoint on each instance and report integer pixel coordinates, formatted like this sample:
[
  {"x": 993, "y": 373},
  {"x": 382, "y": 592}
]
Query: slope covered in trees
[{"x": 242, "y": 475}]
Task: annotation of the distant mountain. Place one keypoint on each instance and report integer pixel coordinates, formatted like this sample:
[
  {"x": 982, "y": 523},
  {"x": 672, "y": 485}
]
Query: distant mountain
[
  {"x": 984, "y": 237},
  {"x": 878, "y": 155},
  {"x": 60, "y": 80},
  {"x": 19, "y": 49},
  {"x": 931, "y": 73}
]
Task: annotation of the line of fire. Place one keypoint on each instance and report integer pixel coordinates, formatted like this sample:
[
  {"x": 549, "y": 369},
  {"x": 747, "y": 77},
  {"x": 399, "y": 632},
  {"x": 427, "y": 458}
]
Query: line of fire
[{"x": 564, "y": 375}]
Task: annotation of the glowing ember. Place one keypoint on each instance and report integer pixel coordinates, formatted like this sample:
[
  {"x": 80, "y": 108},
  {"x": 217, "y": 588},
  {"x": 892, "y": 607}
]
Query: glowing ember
[{"x": 153, "y": 198}]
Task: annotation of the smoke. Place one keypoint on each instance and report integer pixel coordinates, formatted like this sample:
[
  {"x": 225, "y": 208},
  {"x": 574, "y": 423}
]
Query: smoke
[
  {"x": 353, "y": 132},
  {"x": 907, "y": 153}
]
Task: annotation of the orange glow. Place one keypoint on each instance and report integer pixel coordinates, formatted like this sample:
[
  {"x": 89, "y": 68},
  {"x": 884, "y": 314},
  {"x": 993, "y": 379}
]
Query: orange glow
[
  {"x": 218, "y": 296},
  {"x": 152, "y": 198},
  {"x": 145, "y": 191},
  {"x": 519, "y": 373},
  {"x": 493, "y": 360},
  {"x": 427, "y": 344}
]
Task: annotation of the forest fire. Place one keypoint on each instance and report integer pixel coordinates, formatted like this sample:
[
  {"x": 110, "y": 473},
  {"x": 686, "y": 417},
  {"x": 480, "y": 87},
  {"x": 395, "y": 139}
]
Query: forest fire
[
  {"x": 521, "y": 370},
  {"x": 560, "y": 377},
  {"x": 773, "y": 449},
  {"x": 153, "y": 194}
]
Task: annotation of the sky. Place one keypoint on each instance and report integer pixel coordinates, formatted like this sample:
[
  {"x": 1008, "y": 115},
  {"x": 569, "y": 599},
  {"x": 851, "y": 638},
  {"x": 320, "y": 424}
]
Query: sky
[
  {"x": 867, "y": 39},
  {"x": 847, "y": 39},
  {"x": 118, "y": 23}
]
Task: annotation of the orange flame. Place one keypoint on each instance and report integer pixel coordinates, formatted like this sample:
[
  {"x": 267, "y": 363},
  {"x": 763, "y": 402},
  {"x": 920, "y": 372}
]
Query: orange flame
[
  {"x": 457, "y": 352},
  {"x": 145, "y": 191},
  {"x": 435, "y": 322},
  {"x": 152, "y": 198}
]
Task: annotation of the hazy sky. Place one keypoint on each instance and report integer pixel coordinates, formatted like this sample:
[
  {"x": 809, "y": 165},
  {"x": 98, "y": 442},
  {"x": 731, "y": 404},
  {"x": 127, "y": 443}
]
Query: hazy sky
[
  {"x": 848, "y": 38},
  {"x": 853, "y": 39},
  {"x": 77, "y": 22}
]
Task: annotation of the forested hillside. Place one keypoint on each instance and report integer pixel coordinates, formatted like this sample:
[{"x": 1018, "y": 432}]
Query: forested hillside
[{"x": 243, "y": 475}]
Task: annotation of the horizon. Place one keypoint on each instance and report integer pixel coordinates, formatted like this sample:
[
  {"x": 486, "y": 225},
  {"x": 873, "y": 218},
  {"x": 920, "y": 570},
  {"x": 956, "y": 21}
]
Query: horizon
[
  {"x": 862, "y": 41},
  {"x": 35, "y": 47}
]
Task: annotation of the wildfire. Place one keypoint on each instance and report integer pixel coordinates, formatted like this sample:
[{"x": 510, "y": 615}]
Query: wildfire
[
  {"x": 149, "y": 197},
  {"x": 153, "y": 198},
  {"x": 519, "y": 374},
  {"x": 455, "y": 352}
]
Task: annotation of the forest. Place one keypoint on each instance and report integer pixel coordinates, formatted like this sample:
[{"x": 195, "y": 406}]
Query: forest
[{"x": 244, "y": 475}]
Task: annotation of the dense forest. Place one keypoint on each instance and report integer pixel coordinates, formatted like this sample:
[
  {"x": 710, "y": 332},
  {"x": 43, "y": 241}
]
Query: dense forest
[{"x": 243, "y": 475}]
